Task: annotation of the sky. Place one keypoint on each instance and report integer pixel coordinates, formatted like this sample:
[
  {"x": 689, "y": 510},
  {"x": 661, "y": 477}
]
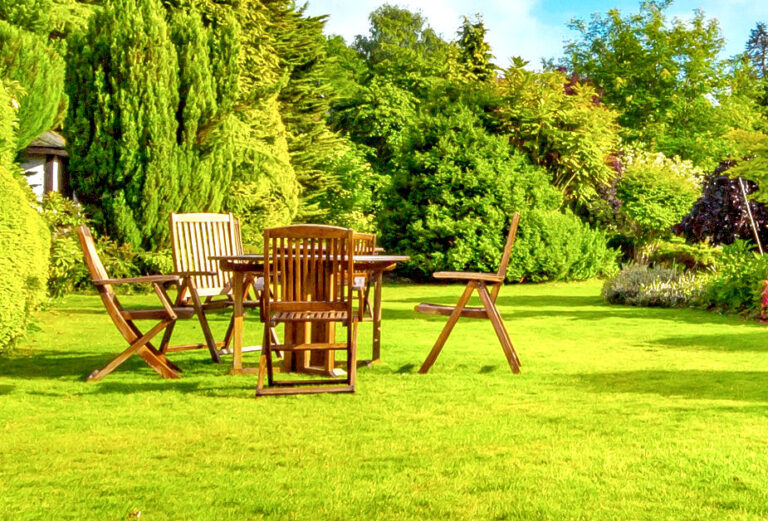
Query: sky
[{"x": 536, "y": 29}]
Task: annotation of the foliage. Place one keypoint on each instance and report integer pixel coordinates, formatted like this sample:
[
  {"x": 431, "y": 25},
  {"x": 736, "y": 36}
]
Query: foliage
[
  {"x": 757, "y": 48},
  {"x": 453, "y": 193},
  {"x": 737, "y": 287},
  {"x": 560, "y": 124},
  {"x": 641, "y": 285},
  {"x": 473, "y": 52},
  {"x": 558, "y": 246},
  {"x": 659, "y": 76},
  {"x": 150, "y": 126},
  {"x": 655, "y": 193},
  {"x": 720, "y": 215},
  {"x": 676, "y": 252},
  {"x": 24, "y": 238},
  {"x": 32, "y": 62}
]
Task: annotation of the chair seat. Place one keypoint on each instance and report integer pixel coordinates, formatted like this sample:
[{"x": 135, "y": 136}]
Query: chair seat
[
  {"x": 437, "y": 309},
  {"x": 308, "y": 316},
  {"x": 157, "y": 314}
]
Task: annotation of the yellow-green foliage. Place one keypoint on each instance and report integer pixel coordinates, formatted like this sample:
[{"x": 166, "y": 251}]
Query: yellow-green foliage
[{"x": 24, "y": 237}]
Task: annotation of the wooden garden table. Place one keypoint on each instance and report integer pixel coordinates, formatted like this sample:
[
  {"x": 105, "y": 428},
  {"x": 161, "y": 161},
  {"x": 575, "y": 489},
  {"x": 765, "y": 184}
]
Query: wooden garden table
[{"x": 241, "y": 265}]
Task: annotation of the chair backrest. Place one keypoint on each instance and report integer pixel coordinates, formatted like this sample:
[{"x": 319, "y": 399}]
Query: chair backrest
[
  {"x": 307, "y": 268},
  {"x": 365, "y": 243},
  {"x": 502, "y": 271},
  {"x": 196, "y": 237},
  {"x": 107, "y": 294}
]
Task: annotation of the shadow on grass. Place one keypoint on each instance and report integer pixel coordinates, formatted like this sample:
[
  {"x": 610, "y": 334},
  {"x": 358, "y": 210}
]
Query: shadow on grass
[
  {"x": 695, "y": 384},
  {"x": 6, "y": 389},
  {"x": 582, "y": 308},
  {"x": 756, "y": 341}
]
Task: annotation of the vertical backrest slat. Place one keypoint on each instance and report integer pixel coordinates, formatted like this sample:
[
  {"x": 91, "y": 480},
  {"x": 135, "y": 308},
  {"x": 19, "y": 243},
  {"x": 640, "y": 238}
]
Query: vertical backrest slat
[
  {"x": 199, "y": 236},
  {"x": 508, "y": 246}
]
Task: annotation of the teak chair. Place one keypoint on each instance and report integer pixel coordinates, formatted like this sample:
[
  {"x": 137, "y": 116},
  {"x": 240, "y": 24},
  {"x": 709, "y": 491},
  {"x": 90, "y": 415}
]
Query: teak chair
[
  {"x": 196, "y": 237},
  {"x": 479, "y": 282},
  {"x": 364, "y": 244},
  {"x": 308, "y": 281},
  {"x": 124, "y": 318}
]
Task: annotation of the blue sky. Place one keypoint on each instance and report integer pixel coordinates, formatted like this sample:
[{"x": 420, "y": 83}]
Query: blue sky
[{"x": 536, "y": 29}]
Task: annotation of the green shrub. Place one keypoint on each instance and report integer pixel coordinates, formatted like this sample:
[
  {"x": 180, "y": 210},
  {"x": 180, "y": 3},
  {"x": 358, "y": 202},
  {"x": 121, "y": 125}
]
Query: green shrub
[
  {"x": 738, "y": 284},
  {"x": 556, "y": 246},
  {"x": 678, "y": 252},
  {"x": 24, "y": 238},
  {"x": 641, "y": 285}
]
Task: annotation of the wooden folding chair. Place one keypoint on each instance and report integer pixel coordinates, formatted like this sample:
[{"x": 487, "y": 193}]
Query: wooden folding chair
[
  {"x": 308, "y": 282},
  {"x": 480, "y": 283},
  {"x": 364, "y": 244},
  {"x": 196, "y": 237},
  {"x": 140, "y": 343}
]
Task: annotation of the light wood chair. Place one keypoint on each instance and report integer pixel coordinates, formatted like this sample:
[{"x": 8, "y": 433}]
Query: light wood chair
[
  {"x": 196, "y": 237},
  {"x": 139, "y": 342},
  {"x": 364, "y": 244},
  {"x": 308, "y": 283},
  {"x": 479, "y": 282}
]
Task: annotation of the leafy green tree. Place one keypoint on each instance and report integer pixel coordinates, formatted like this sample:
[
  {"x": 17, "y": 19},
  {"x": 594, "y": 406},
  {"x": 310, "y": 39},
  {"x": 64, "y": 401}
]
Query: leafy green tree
[
  {"x": 28, "y": 59},
  {"x": 561, "y": 125},
  {"x": 660, "y": 77}
]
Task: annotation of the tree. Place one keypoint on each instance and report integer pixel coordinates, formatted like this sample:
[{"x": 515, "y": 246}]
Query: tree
[
  {"x": 150, "y": 128},
  {"x": 660, "y": 77},
  {"x": 28, "y": 59},
  {"x": 474, "y": 52},
  {"x": 561, "y": 125},
  {"x": 757, "y": 48}
]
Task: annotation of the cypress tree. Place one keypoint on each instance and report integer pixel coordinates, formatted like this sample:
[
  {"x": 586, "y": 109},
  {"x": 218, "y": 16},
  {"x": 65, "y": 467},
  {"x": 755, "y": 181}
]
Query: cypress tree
[{"x": 121, "y": 125}]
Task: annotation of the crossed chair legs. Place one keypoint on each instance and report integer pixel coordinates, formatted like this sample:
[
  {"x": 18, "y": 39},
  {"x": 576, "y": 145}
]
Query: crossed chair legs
[{"x": 487, "y": 311}]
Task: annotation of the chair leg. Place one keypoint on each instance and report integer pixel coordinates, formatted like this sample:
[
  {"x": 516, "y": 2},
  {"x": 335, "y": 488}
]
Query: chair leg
[
  {"x": 498, "y": 326},
  {"x": 210, "y": 342},
  {"x": 448, "y": 328},
  {"x": 265, "y": 348},
  {"x": 352, "y": 354},
  {"x": 139, "y": 345},
  {"x": 167, "y": 338}
]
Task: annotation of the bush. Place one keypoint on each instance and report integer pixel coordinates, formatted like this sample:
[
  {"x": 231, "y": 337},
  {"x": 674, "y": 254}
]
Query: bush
[
  {"x": 641, "y": 285},
  {"x": 68, "y": 271},
  {"x": 738, "y": 285},
  {"x": 655, "y": 193},
  {"x": 454, "y": 191},
  {"x": 24, "y": 238},
  {"x": 676, "y": 252},
  {"x": 556, "y": 246}
]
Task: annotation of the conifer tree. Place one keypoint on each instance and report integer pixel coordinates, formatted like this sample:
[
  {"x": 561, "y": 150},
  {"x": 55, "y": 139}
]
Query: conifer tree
[{"x": 122, "y": 80}]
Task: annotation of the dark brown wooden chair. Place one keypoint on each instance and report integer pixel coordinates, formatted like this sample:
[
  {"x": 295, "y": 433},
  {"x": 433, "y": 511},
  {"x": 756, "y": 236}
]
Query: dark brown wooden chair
[
  {"x": 364, "y": 244},
  {"x": 139, "y": 342},
  {"x": 308, "y": 287},
  {"x": 480, "y": 283},
  {"x": 196, "y": 237}
]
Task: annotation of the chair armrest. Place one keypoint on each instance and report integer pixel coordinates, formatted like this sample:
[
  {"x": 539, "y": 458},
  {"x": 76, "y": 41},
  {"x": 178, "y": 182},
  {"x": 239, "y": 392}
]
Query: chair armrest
[
  {"x": 138, "y": 280},
  {"x": 466, "y": 275}
]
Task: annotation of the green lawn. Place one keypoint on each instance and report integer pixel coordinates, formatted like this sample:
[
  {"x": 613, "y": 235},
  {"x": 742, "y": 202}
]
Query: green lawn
[{"x": 619, "y": 413}]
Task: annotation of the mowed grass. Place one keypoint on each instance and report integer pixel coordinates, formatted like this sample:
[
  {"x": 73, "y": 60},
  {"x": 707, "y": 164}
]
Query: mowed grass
[{"x": 619, "y": 413}]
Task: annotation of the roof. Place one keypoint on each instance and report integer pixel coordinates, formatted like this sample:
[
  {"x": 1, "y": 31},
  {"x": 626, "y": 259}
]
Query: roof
[{"x": 48, "y": 143}]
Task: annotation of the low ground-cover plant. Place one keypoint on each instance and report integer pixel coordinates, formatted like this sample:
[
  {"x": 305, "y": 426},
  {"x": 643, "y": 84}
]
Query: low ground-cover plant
[{"x": 654, "y": 286}]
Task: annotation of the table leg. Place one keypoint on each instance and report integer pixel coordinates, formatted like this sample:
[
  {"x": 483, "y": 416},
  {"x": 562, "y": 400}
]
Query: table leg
[
  {"x": 237, "y": 327},
  {"x": 377, "y": 280}
]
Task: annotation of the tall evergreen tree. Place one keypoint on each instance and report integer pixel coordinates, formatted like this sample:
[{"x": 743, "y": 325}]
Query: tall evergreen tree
[
  {"x": 757, "y": 48},
  {"x": 121, "y": 127},
  {"x": 474, "y": 52}
]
